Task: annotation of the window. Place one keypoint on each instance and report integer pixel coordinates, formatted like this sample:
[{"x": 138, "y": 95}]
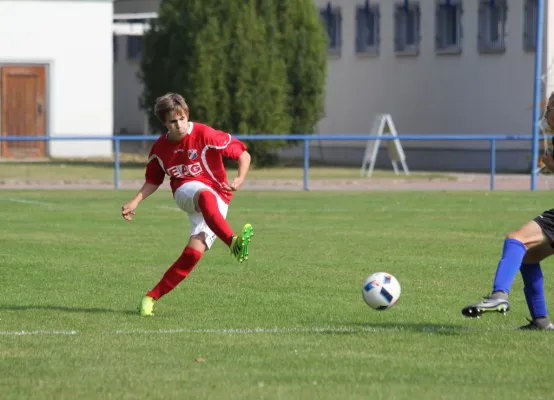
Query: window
[
  {"x": 367, "y": 29},
  {"x": 492, "y": 26},
  {"x": 407, "y": 28},
  {"x": 449, "y": 27},
  {"x": 134, "y": 47},
  {"x": 530, "y": 25},
  {"x": 332, "y": 22}
]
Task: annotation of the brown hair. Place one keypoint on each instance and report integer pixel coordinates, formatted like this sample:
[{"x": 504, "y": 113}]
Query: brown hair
[{"x": 170, "y": 102}]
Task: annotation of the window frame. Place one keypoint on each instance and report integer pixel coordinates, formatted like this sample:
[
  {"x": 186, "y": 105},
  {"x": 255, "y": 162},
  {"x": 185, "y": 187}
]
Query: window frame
[
  {"x": 401, "y": 12},
  {"x": 332, "y": 16},
  {"x": 485, "y": 43},
  {"x": 530, "y": 22},
  {"x": 361, "y": 46},
  {"x": 441, "y": 32}
]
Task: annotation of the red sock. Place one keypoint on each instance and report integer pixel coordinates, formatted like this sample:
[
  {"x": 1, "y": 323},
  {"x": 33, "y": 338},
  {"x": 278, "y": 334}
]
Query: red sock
[
  {"x": 176, "y": 273},
  {"x": 207, "y": 203}
]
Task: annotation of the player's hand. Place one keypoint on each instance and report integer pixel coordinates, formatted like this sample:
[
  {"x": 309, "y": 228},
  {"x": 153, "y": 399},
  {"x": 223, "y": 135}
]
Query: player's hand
[
  {"x": 234, "y": 186},
  {"x": 548, "y": 160},
  {"x": 128, "y": 210}
]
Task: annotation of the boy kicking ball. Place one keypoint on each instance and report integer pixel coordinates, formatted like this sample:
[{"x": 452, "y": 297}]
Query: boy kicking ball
[{"x": 191, "y": 155}]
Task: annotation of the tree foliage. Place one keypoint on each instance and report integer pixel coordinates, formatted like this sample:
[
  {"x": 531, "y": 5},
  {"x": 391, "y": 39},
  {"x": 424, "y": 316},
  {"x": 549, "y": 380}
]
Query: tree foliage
[{"x": 245, "y": 67}]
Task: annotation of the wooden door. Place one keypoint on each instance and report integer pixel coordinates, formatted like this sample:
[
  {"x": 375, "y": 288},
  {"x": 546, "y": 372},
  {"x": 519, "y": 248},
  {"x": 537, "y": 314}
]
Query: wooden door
[{"x": 22, "y": 111}]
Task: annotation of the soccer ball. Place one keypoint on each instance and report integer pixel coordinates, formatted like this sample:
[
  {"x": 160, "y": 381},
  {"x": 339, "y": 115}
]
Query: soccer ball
[{"x": 381, "y": 291}]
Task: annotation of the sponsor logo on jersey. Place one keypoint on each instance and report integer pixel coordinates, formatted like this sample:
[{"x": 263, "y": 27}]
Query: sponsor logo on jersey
[{"x": 182, "y": 170}]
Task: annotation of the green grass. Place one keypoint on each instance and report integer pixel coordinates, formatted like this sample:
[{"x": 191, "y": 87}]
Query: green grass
[
  {"x": 70, "y": 263},
  {"x": 104, "y": 170}
]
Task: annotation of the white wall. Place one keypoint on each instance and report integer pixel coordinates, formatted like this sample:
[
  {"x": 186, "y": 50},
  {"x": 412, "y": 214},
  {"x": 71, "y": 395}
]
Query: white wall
[
  {"x": 76, "y": 39},
  {"x": 469, "y": 93}
]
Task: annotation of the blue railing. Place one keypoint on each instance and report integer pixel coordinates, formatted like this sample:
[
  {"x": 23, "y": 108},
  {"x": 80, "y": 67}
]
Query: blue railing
[{"x": 492, "y": 139}]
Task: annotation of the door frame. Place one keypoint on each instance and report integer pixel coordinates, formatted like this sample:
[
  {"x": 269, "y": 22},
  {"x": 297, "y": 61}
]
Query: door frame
[{"x": 48, "y": 65}]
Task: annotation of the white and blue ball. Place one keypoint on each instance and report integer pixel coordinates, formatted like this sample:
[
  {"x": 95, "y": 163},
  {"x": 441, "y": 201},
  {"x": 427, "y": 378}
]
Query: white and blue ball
[{"x": 381, "y": 291}]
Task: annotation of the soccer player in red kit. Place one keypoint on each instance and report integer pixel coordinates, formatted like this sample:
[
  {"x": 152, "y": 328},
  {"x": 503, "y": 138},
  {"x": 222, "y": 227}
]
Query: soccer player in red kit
[{"x": 191, "y": 153}]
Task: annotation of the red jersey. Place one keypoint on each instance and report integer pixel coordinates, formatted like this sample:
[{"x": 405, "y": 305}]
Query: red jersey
[{"x": 196, "y": 157}]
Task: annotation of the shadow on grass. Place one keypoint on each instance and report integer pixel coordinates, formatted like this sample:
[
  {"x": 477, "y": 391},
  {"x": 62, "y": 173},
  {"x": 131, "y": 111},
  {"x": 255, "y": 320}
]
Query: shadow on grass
[{"x": 67, "y": 309}]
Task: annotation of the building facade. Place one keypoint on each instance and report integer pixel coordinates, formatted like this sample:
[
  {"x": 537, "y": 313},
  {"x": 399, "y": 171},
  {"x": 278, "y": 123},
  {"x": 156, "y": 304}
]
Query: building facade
[
  {"x": 56, "y": 76},
  {"x": 451, "y": 67}
]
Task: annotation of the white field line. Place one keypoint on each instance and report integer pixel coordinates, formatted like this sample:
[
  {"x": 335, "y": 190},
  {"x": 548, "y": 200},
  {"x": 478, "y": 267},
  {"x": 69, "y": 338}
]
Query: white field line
[
  {"x": 23, "y": 201},
  {"x": 37, "y": 333}
]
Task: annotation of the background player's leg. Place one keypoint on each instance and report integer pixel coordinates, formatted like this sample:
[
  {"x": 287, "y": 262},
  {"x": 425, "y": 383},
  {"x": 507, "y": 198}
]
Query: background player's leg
[
  {"x": 538, "y": 253},
  {"x": 516, "y": 244},
  {"x": 206, "y": 203},
  {"x": 180, "y": 269},
  {"x": 534, "y": 286}
]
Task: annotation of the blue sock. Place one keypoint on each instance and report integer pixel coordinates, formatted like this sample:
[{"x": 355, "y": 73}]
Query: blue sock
[
  {"x": 512, "y": 256},
  {"x": 534, "y": 289}
]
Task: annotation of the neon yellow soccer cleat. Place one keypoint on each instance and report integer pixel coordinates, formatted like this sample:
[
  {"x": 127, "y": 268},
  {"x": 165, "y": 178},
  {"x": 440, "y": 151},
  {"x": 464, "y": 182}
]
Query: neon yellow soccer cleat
[
  {"x": 146, "y": 306},
  {"x": 239, "y": 246}
]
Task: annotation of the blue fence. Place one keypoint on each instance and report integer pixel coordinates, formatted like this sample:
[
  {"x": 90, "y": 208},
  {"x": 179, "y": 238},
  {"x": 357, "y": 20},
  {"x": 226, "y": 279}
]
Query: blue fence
[{"x": 306, "y": 139}]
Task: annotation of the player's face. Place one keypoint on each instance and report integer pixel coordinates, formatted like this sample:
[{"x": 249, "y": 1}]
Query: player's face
[{"x": 177, "y": 123}]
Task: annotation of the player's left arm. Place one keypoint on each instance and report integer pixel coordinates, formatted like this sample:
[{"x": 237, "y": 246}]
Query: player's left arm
[
  {"x": 548, "y": 159},
  {"x": 547, "y": 125},
  {"x": 243, "y": 166},
  {"x": 234, "y": 149}
]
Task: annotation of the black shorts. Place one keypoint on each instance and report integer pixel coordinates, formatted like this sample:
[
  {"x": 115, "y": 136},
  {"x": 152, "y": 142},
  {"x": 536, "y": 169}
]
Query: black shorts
[{"x": 546, "y": 222}]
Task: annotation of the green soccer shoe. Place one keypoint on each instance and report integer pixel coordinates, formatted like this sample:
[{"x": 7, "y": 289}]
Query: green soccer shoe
[{"x": 239, "y": 245}]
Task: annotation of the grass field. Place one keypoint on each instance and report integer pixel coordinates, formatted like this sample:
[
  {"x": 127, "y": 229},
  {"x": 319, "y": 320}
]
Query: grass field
[
  {"x": 104, "y": 170},
  {"x": 288, "y": 324}
]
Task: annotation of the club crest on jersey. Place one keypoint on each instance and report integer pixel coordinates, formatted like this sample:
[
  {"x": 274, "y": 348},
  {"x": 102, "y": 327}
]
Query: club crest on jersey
[{"x": 193, "y": 154}]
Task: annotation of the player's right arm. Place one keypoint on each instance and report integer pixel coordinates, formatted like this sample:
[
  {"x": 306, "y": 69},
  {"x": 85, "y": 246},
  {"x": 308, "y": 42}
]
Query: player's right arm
[
  {"x": 129, "y": 209},
  {"x": 548, "y": 160},
  {"x": 154, "y": 177}
]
